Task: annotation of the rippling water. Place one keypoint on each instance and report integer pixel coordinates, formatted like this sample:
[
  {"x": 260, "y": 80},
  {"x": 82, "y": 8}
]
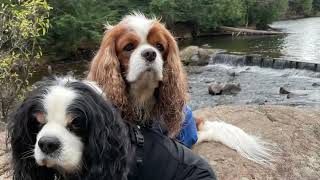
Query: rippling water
[
  {"x": 259, "y": 86},
  {"x": 301, "y": 44},
  {"x": 303, "y": 41}
]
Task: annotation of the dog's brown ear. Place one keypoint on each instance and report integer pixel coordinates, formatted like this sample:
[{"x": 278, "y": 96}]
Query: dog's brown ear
[
  {"x": 105, "y": 70},
  {"x": 173, "y": 90}
]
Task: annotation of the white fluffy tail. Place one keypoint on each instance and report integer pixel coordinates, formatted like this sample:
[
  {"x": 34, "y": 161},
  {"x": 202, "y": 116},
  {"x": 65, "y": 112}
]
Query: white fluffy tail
[{"x": 248, "y": 146}]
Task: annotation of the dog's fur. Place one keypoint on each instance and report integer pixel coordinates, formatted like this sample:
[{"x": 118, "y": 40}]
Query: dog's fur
[
  {"x": 93, "y": 141},
  {"x": 143, "y": 90}
]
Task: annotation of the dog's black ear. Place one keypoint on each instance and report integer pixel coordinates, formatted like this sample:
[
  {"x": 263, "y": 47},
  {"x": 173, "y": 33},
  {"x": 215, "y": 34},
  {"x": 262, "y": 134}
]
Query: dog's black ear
[
  {"x": 22, "y": 131},
  {"x": 106, "y": 147}
]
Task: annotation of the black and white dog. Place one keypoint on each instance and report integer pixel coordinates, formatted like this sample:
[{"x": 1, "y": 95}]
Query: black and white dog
[{"x": 65, "y": 129}]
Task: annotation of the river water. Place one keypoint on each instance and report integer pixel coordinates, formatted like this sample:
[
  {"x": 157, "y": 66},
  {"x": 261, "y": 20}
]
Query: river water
[
  {"x": 301, "y": 44},
  {"x": 261, "y": 85}
]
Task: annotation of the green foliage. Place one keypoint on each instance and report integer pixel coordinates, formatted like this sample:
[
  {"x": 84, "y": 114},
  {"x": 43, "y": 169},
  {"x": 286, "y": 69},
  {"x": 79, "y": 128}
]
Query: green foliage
[
  {"x": 79, "y": 24},
  {"x": 316, "y": 6},
  {"x": 262, "y": 13},
  {"x": 205, "y": 14},
  {"x": 306, "y": 6},
  {"x": 21, "y": 23},
  {"x": 301, "y": 7}
]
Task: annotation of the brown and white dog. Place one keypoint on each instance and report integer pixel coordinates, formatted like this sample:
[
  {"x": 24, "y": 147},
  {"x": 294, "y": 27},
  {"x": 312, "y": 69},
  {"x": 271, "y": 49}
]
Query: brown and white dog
[{"x": 139, "y": 68}]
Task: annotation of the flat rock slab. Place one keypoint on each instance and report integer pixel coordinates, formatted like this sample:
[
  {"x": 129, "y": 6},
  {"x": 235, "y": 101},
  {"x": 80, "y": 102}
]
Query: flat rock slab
[{"x": 295, "y": 131}]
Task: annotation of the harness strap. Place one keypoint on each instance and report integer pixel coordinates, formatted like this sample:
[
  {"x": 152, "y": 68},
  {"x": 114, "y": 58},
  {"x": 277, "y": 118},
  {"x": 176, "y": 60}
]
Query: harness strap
[
  {"x": 137, "y": 139},
  {"x": 140, "y": 147}
]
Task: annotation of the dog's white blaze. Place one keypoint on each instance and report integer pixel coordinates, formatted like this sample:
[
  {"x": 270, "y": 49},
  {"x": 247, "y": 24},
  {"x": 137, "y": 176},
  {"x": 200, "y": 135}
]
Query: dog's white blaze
[
  {"x": 137, "y": 65},
  {"x": 55, "y": 102},
  {"x": 235, "y": 138},
  {"x": 139, "y": 23}
]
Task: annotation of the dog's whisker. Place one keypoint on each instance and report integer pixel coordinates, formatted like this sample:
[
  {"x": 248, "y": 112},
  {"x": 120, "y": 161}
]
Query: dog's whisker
[{"x": 27, "y": 157}]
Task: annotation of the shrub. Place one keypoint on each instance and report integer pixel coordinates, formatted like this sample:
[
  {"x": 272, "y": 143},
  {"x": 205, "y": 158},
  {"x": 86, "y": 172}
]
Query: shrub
[{"x": 22, "y": 23}]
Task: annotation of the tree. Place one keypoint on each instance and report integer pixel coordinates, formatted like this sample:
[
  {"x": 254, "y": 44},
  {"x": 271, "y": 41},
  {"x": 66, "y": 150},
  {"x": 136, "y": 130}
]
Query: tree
[
  {"x": 301, "y": 7},
  {"x": 306, "y": 6},
  {"x": 21, "y": 23},
  {"x": 79, "y": 25},
  {"x": 205, "y": 14},
  {"x": 316, "y": 6},
  {"x": 264, "y": 12}
]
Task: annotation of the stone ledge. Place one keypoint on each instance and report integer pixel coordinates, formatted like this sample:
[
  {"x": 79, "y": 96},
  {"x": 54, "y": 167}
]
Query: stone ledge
[{"x": 296, "y": 131}]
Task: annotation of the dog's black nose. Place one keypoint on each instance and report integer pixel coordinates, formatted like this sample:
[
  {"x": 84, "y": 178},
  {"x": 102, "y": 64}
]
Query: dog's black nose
[
  {"x": 149, "y": 54},
  {"x": 49, "y": 145}
]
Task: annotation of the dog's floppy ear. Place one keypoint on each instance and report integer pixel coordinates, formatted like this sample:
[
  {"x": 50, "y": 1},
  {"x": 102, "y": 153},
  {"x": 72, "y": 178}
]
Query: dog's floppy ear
[
  {"x": 173, "y": 90},
  {"x": 22, "y": 134},
  {"x": 105, "y": 154},
  {"x": 105, "y": 70}
]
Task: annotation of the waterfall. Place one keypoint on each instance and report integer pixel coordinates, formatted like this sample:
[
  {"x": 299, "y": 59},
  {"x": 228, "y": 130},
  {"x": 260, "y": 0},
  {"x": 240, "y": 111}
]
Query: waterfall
[{"x": 257, "y": 60}]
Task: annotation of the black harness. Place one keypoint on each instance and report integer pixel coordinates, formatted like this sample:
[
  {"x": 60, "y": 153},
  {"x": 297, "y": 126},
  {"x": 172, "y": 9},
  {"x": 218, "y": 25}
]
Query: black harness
[
  {"x": 157, "y": 157},
  {"x": 137, "y": 140}
]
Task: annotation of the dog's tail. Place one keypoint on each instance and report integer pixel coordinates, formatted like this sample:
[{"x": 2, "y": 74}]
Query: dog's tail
[{"x": 248, "y": 146}]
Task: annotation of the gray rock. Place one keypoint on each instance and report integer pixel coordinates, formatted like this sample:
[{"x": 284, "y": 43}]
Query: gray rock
[
  {"x": 231, "y": 88},
  {"x": 283, "y": 91},
  {"x": 219, "y": 88},
  {"x": 315, "y": 84},
  {"x": 232, "y": 73},
  {"x": 187, "y": 53},
  {"x": 215, "y": 88},
  {"x": 196, "y": 56}
]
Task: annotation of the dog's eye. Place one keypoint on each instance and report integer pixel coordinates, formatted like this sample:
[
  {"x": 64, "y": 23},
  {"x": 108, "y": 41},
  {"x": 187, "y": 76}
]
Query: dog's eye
[
  {"x": 160, "y": 47},
  {"x": 74, "y": 125},
  {"x": 129, "y": 47}
]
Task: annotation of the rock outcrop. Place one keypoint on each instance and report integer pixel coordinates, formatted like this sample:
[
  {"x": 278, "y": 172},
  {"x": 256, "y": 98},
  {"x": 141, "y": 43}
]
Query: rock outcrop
[
  {"x": 196, "y": 56},
  {"x": 295, "y": 131}
]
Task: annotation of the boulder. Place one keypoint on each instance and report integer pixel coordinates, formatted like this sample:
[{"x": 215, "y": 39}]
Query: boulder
[
  {"x": 218, "y": 88},
  {"x": 196, "y": 56},
  {"x": 294, "y": 131},
  {"x": 283, "y": 90},
  {"x": 315, "y": 84},
  {"x": 231, "y": 88},
  {"x": 215, "y": 88}
]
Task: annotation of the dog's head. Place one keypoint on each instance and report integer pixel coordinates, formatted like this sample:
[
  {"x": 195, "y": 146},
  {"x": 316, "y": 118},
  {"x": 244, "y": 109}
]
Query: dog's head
[
  {"x": 65, "y": 128},
  {"x": 139, "y": 68}
]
